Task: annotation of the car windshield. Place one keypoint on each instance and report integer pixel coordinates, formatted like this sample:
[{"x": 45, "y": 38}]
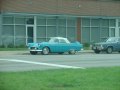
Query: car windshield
[{"x": 112, "y": 40}]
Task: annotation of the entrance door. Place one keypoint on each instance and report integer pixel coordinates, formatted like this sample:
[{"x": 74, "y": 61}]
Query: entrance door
[{"x": 29, "y": 34}]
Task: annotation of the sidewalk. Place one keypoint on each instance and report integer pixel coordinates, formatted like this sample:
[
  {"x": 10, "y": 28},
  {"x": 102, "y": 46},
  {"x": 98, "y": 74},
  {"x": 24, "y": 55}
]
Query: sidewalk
[{"x": 86, "y": 51}]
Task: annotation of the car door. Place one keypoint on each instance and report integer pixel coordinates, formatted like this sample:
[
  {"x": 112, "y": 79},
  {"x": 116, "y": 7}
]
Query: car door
[
  {"x": 55, "y": 47},
  {"x": 118, "y": 44},
  {"x": 64, "y": 46}
]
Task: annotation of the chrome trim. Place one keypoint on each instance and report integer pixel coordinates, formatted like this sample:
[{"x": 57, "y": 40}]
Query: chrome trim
[{"x": 37, "y": 50}]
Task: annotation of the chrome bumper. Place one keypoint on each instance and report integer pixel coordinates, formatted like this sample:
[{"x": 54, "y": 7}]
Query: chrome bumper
[
  {"x": 97, "y": 48},
  {"x": 36, "y": 50}
]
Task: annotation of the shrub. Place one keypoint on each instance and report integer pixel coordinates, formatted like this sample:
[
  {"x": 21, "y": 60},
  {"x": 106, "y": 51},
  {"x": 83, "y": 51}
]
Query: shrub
[
  {"x": 10, "y": 46},
  {"x": 2, "y": 46},
  {"x": 86, "y": 45}
]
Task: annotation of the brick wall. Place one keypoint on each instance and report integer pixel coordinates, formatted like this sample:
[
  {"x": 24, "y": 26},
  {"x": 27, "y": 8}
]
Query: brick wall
[
  {"x": 75, "y": 7},
  {"x": 79, "y": 29},
  {"x": 0, "y": 4}
]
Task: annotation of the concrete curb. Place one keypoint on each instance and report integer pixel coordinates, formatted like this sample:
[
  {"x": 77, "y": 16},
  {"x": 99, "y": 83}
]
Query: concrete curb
[{"x": 86, "y": 51}]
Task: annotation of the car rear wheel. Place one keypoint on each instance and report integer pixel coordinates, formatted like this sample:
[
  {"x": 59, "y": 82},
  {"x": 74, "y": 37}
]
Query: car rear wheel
[
  {"x": 109, "y": 50},
  {"x": 45, "y": 51},
  {"x": 97, "y": 51},
  {"x": 72, "y": 51},
  {"x": 33, "y": 52}
]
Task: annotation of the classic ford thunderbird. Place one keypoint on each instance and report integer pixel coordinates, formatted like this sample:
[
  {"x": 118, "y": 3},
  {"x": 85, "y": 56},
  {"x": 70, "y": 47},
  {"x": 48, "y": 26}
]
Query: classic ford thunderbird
[{"x": 55, "y": 45}]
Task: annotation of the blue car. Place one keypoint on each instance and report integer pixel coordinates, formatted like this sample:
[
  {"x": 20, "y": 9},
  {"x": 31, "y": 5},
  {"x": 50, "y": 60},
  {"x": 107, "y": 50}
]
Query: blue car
[
  {"x": 112, "y": 44},
  {"x": 55, "y": 45}
]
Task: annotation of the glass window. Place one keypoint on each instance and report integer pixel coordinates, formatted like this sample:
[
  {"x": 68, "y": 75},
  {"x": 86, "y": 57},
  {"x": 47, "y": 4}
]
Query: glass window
[
  {"x": 7, "y": 40},
  {"x": 56, "y": 41},
  {"x": 41, "y": 21},
  {"x": 20, "y": 31},
  {"x": 19, "y": 20},
  {"x": 71, "y": 22},
  {"x": 105, "y": 23},
  {"x": 41, "y": 39},
  {"x": 71, "y": 33},
  {"x": 112, "y": 32},
  {"x": 104, "y": 32},
  {"x": 119, "y": 24},
  {"x": 103, "y": 39},
  {"x": 51, "y": 17},
  {"x": 112, "y": 22},
  {"x": 8, "y": 20},
  {"x": 62, "y": 41},
  {"x": 41, "y": 31},
  {"x": 8, "y": 34},
  {"x": 62, "y": 22},
  {"x": 51, "y": 31},
  {"x": 30, "y": 20},
  {"x": 95, "y": 22},
  {"x": 85, "y": 22},
  {"x": 51, "y": 22},
  {"x": 20, "y": 41},
  {"x": 85, "y": 35},
  {"x": 95, "y": 34},
  {"x": 8, "y": 30},
  {"x": 41, "y": 17},
  {"x": 61, "y": 31}
]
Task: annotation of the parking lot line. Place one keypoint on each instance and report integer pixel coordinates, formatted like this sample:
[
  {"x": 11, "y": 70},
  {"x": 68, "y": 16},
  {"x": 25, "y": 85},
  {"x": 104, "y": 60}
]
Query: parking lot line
[{"x": 41, "y": 63}]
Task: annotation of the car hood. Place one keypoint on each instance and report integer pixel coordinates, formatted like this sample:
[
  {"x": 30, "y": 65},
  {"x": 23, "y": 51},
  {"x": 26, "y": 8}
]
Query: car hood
[{"x": 103, "y": 43}]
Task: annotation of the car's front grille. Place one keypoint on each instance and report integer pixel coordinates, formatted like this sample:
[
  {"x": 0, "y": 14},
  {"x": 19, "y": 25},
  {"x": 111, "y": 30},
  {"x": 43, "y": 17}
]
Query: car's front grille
[{"x": 32, "y": 48}]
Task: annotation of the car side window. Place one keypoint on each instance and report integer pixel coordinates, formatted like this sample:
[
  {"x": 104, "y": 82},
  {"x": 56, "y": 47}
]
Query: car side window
[
  {"x": 119, "y": 40},
  {"x": 56, "y": 41},
  {"x": 62, "y": 41}
]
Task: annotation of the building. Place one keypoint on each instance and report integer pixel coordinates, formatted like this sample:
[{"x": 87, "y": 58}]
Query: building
[{"x": 23, "y": 21}]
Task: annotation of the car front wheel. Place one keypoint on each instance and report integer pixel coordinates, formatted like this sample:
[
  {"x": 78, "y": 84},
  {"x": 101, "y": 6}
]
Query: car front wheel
[
  {"x": 45, "y": 51},
  {"x": 72, "y": 51},
  {"x": 109, "y": 50}
]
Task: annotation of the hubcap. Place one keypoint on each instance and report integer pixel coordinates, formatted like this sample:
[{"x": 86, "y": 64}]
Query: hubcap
[
  {"x": 109, "y": 50},
  {"x": 45, "y": 51},
  {"x": 72, "y": 52}
]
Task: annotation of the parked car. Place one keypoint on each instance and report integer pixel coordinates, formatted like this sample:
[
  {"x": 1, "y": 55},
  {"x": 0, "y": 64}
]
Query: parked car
[
  {"x": 55, "y": 45},
  {"x": 110, "y": 45}
]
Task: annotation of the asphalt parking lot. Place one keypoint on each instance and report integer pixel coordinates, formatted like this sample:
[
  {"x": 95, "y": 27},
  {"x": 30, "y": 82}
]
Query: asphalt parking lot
[{"x": 23, "y": 61}]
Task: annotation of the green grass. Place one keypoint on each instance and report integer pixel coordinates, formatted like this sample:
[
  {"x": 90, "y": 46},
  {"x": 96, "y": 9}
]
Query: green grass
[
  {"x": 63, "y": 79},
  {"x": 12, "y": 49}
]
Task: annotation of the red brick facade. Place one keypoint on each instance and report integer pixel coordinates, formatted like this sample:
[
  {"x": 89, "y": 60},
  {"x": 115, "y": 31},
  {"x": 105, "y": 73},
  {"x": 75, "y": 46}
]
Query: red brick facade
[
  {"x": 74, "y": 7},
  {"x": 78, "y": 29}
]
